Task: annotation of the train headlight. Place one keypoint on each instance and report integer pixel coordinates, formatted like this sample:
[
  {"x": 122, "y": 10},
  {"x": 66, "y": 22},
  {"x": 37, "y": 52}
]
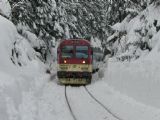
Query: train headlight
[
  {"x": 83, "y": 61},
  {"x": 65, "y": 61}
]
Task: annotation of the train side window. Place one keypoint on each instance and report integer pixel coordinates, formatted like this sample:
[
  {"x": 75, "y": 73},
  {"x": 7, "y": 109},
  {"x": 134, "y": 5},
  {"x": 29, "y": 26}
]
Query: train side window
[{"x": 67, "y": 52}]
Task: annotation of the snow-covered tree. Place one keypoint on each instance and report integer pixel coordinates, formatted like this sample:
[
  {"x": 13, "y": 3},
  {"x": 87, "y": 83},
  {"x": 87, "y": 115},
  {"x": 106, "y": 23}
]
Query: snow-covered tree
[
  {"x": 34, "y": 16},
  {"x": 52, "y": 20}
]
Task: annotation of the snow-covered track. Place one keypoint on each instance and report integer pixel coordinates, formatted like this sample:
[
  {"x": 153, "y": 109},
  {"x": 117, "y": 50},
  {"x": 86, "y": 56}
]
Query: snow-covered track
[
  {"x": 101, "y": 104},
  {"x": 69, "y": 106}
]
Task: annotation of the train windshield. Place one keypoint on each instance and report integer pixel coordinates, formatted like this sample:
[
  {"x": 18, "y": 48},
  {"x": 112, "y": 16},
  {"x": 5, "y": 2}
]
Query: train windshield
[
  {"x": 67, "y": 51},
  {"x": 81, "y": 51}
]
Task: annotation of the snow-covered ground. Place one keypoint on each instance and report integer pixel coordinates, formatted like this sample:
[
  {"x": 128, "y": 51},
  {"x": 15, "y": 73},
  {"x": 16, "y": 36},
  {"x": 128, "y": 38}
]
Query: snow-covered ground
[
  {"x": 16, "y": 82},
  {"x": 139, "y": 79},
  {"x": 5, "y": 8},
  {"x": 121, "y": 105}
]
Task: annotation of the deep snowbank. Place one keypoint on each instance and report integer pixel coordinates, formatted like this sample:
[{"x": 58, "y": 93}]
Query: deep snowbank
[
  {"x": 8, "y": 36},
  {"x": 5, "y": 8},
  {"x": 139, "y": 79},
  {"x": 121, "y": 105},
  {"x": 16, "y": 81}
]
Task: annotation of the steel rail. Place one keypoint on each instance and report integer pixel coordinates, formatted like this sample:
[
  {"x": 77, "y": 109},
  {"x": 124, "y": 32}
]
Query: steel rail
[
  {"x": 102, "y": 105},
  {"x": 69, "y": 106}
]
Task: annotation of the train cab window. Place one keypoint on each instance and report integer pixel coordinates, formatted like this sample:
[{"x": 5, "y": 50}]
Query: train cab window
[
  {"x": 81, "y": 51},
  {"x": 67, "y": 52}
]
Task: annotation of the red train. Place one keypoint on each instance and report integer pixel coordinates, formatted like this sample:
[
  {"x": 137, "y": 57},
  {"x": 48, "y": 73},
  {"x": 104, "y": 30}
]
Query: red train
[{"x": 74, "y": 60}]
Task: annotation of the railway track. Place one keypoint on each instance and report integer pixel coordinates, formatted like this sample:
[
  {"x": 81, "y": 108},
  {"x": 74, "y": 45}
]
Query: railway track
[
  {"x": 95, "y": 99},
  {"x": 69, "y": 106},
  {"x": 102, "y": 105}
]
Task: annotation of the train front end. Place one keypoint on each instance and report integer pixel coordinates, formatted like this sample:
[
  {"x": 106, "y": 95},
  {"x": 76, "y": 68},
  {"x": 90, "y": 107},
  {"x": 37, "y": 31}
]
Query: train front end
[{"x": 74, "y": 62}]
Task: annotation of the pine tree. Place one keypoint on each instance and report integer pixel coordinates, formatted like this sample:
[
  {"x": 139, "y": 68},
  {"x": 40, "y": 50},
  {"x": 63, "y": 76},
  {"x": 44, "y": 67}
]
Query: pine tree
[
  {"x": 33, "y": 16},
  {"x": 57, "y": 19}
]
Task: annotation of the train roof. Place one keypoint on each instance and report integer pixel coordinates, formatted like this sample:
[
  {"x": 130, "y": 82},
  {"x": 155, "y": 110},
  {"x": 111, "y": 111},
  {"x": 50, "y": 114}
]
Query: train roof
[{"x": 75, "y": 41}]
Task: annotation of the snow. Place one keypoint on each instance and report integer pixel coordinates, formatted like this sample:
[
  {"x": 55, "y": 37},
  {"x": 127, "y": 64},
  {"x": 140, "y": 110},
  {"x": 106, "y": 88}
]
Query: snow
[
  {"x": 123, "y": 25},
  {"x": 15, "y": 81},
  {"x": 86, "y": 107},
  {"x": 139, "y": 79},
  {"x": 123, "y": 106},
  {"x": 5, "y": 8},
  {"x": 95, "y": 42},
  {"x": 57, "y": 27},
  {"x": 143, "y": 21},
  {"x": 34, "y": 41},
  {"x": 52, "y": 103},
  {"x": 8, "y": 36},
  {"x": 134, "y": 32},
  {"x": 130, "y": 90}
]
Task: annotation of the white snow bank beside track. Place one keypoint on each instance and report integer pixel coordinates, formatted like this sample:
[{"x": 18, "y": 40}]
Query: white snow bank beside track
[
  {"x": 5, "y": 8},
  {"x": 19, "y": 86},
  {"x": 8, "y": 88},
  {"x": 7, "y": 38},
  {"x": 139, "y": 80},
  {"x": 122, "y": 106},
  {"x": 18, "y": 95}
]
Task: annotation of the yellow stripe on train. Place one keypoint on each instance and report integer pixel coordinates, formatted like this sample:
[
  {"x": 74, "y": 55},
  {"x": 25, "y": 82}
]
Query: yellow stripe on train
[{"x": 75, "y": 67}]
